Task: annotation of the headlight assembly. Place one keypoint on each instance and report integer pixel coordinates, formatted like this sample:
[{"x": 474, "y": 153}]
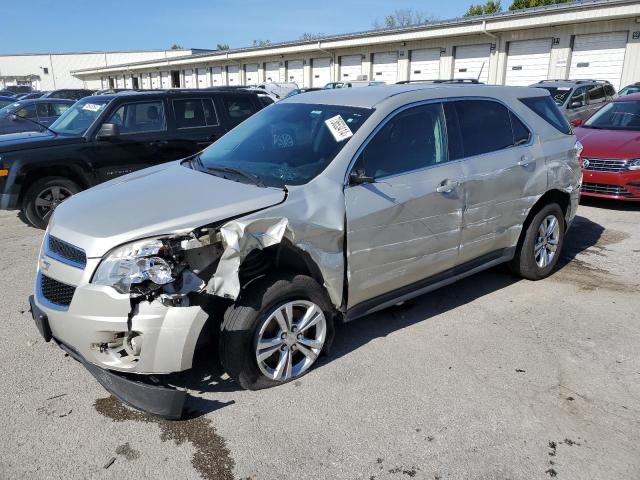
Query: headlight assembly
[
  {"x": 634, "y": 164},
  {"x": 137, "y": 267}
]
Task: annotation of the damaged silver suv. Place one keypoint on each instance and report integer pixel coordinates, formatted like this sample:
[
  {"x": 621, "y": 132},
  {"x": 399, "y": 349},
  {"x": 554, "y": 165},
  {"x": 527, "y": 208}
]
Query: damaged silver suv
[{"x": 321, "y": 208}]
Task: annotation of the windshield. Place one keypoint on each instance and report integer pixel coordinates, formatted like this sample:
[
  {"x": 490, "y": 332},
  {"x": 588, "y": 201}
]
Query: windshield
[
  {"x": 78, "y": 119},
  {"x": 8, "y": 108},
  {"x": 629, "y": 90},
  {"x": 616, "y": 116},
  {"x": 285, "y": 144},
  {"x": 559, "y": 94}
]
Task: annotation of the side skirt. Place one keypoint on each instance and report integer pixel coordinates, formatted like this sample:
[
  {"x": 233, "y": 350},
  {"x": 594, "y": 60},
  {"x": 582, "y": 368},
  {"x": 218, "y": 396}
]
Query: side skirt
[{"x": 429, "y": 284}]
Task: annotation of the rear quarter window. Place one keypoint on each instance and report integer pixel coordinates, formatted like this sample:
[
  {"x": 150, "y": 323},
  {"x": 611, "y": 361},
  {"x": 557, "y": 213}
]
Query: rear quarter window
[{"x": 546, "y": 108}]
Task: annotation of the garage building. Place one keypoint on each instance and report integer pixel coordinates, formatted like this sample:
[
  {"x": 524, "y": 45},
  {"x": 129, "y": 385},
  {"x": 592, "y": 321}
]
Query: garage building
[{"x": 585, "y": 39}]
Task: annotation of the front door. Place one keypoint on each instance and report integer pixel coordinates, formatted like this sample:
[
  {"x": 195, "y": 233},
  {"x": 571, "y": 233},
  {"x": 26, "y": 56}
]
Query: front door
[
  {"x": 143, "y": 140},
  {"x": 406, "y": 225}
]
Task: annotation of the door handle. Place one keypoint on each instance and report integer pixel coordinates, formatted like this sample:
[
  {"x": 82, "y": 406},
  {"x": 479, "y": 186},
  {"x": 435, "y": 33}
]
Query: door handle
[
  {"x": 525, "y": 160},
  {"x": 447, "y": 186}
]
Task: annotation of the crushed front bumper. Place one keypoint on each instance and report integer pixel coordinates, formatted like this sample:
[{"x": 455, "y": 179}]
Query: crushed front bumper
[{"x": 161, "y": 400}]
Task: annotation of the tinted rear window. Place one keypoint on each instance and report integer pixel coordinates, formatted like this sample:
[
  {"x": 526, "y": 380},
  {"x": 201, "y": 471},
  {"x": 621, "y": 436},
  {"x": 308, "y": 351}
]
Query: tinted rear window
[
  {"x": 485, "y": 126},
  {"x": 546, "y": 108}
]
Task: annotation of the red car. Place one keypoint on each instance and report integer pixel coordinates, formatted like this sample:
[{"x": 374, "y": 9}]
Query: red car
[{"x": 611, "y": 155}]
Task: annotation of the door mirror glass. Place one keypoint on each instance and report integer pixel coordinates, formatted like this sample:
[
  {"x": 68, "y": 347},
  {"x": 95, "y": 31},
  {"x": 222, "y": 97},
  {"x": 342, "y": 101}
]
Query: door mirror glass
[
  {"x": 108, "y": 130},
  {"x": 358, "y": 177}
]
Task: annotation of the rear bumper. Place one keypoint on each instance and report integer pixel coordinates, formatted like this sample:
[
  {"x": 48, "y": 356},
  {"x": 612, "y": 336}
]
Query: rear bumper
[{"x": 140, "y": 393}]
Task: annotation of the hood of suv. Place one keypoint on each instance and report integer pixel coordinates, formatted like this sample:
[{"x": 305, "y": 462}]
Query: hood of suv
[
  {"x": 614, "y": 144},
  {"x": 161, "y": 200},
  {"x": 26, "y": 140}
]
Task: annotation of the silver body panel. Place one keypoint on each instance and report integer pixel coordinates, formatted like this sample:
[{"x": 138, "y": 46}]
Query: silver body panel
[{"x": 397, "y": 231}]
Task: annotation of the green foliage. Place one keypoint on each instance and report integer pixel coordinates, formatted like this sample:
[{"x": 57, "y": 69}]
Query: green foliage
[
  {"x": 492, "y": 6},
  {"x": 175, "y": 46},
  {"x": 261, "y": 43},
  {"x": 222, "y": 46},
  {"x": 405, "y": 17},
  {"x": 519, "y": 4}
]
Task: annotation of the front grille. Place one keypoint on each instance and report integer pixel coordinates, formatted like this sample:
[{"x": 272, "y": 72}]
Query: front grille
[
  {"x": 66, "y": 252},
  {"x": 604, "y": 165},
  {"x": 605, "y": 189},
  {"x": 56, "y": 292}
]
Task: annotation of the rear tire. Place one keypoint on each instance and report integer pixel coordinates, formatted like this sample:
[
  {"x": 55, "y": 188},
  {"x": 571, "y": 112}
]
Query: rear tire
[
  {"x": 254, "y": 327},
  {"x": 43, "y": 196},
  {"x": 541, "y": 244}
]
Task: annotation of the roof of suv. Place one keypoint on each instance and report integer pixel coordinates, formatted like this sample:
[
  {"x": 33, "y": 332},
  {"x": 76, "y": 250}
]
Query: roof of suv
[
  {"x": 568, "y": 83},
  {"x": 369, "y": 97},
  {"x": 171, "y": 92}
]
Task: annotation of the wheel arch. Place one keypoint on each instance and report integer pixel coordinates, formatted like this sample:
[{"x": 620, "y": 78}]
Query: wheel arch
[
  {"x": 563, "y": 199},
  {"x": 71, "y": 171}
]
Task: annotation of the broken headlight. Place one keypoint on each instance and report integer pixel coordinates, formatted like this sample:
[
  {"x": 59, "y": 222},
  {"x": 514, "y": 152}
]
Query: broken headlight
[{"x": 137, "y": 267}]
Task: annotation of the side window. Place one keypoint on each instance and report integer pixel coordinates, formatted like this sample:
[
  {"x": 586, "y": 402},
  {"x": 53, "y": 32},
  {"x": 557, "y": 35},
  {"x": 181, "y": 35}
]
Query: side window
[
  {"x": 521, "y": 134},
  {"x": 189, "y": 113},
  {"x": 239, "y": 108},
  {"x": 27, "y": 112},
  {"x": 579, "y": 98},
  {"x": 485, "y": 126},
  {"x": 43, "y": 110},
  {"x": 58, "y": 109},
  {"x": 210, "y": 114},
  {"x": 139, "y": 117},
  {"x": 595, "y": 93},
  {"x": 547, "y": 109},
  {"x": 609, "y": 91},
  {"x": 413, "y": 139}
]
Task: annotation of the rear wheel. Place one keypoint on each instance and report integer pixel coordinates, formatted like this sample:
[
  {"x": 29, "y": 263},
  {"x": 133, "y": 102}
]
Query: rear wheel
[
  {"x": 44, "y": 196},
  {"x": 540, "y": 247},
  {"x": 275, "y": 331}
]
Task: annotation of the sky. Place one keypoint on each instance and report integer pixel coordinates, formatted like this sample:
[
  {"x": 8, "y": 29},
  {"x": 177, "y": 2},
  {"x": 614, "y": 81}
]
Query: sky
[{"x": 87, "y": 25}]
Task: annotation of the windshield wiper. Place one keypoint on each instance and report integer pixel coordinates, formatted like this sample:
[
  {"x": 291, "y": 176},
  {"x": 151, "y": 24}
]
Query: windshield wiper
[
  {"x": 36, "y": 122},
  {"x": 255, "y": 179}
]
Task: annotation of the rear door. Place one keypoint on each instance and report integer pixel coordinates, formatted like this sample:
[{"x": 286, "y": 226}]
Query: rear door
[
  {"x": 577, "y": 106},
  {"x": 503, "y": 174},
  {"x": 405, "y": 227},
  {"x": 143, "y": 140}
]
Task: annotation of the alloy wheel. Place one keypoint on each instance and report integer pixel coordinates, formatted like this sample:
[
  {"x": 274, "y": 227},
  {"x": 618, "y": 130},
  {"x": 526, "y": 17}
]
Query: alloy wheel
[
  {"x": 48, "y": 199},
  {"x": 546, "y": 244},
  {"x": 290, "y": 340}
]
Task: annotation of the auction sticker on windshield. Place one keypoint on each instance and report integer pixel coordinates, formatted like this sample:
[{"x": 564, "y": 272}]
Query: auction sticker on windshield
[
  {"x": 338, "y": 128},
  {"x": 92, "y": 107}
]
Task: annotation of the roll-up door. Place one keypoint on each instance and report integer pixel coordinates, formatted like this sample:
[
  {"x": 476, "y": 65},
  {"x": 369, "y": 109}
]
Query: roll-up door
[
  {"x": 251, "y": 74},
  {"x": 120, "y": 81},
  {"x": 472, "y": 61},
  {"x": 216, "y": 76},
  {"x": 272, "y": 72},
  {"x": 165, "y": 79},
  {"x": 295, "y": 72},
  {"x": 188, "y": 79},
  {"x": 155, "y": 80},
  {"x": 320, "y": 72},
  {"x": 425, "y": 64},
  {"x": 233, "y": 72},
  {"x": 598, "y": 56},
  {"x": 350, "y": 67},
  {"x": 385, "y": 67},
  {"x": 202, "y": 74},
  {"x": 528, "y": 61},
  {"x": 146, "y": 84}
]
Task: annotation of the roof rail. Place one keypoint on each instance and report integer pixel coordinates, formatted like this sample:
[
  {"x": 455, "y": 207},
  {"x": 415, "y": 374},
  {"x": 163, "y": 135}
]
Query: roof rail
[
  {"x": 592, "y": 80},
  {"x": 451, "y": 80},
  {"x": 550, "y": 80}
]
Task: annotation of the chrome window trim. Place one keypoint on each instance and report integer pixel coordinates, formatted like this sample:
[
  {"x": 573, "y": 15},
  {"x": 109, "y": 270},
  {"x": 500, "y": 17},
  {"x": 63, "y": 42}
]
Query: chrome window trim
[{"x": 427, "y": 102}]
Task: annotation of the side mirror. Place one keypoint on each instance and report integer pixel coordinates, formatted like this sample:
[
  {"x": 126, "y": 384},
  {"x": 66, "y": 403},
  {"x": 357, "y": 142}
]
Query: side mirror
[
  {"x": 108, "y": 130},
  {"x": 576, "y": 122},
  {"x": 358, "y": 177},
  {"x": 576, "y": 104}
]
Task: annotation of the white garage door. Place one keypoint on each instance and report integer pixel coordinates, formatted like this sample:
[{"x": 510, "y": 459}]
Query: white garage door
[
  {"x": 165, "y": 80},
  {"x": 425, "y": 64},
  {"x": 599, "y": 56},
  {"x": 385, "y": 67},
  {"x": 295, "y": 72},
  {"x": 146, "y": 85},
  {"x": 272, "y": 72},
  {"x": 188, "y": 79},
  {"x": 119, "y": 81},
  {"x": 203, "y": 77},
  {"x": 528, "y": 61},
  {"x": 320, "y": 72},
  {"x": 216, "y": 76},
  {"x": 350, "y": 67},
  {"x": 233, "y": 72},
  {"x": 472, "y": 61},
  {"x": 251, "y": 74},
  {"x": 155, "y": 80},
  {"x": 128, "y": 82}
]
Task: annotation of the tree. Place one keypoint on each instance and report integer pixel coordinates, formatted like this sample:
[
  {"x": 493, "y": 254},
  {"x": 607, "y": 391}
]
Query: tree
[
  {"x": 261, "y": 43},
  {"x": 492, "y": 6},
  {"x": 311, "y": 36},
  {"x": 175, "y": 46},
  {"x": 222, "y": 46},
  {"x": 402, "y": 18},
  {"x": 519, "y": 4}
]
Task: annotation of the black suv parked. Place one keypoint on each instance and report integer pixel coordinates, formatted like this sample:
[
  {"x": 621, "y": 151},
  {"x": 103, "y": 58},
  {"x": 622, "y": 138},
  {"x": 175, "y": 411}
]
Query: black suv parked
[{"x": 103, "y": 137}]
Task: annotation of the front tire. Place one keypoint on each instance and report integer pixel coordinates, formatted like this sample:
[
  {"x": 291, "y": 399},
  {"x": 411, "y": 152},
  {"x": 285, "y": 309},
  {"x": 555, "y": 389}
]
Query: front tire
[
  {"x": 540, "y": 248},
  {"x": 42, "y": 198},
  {"x": 275, "y": 331}
]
